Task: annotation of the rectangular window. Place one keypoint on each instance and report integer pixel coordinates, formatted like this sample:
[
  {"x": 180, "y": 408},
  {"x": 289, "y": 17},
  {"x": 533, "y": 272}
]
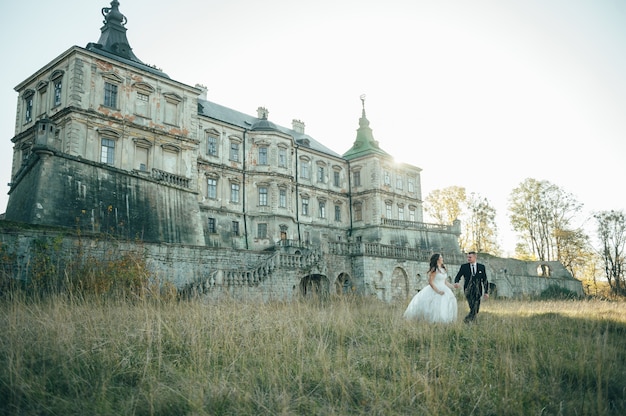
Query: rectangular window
[
  {"x": 141, "y": 105},
  {"x": 110, "y": 95},
  {"x": 336, "y": 179},
  {"x": 304, "y": 170},
  {"x": 107, "y": 151},
  {"x": 357, "y": 178},
  {"x": 388, "y": 210},
  {"x": 212, "y": 227},
  {"x": 211, "y": 145},
  {"x": 234, "y": 151},
  {"x": 211, "y": 188},
  {"x": 337, "y": 213},
  {"x": 412, "y": 215},
  {"x": 401, "y": 213},
  {"x": 411, "y": 185},
  {"x": 171, "y": 112},
  {"x": 234, "y": 192},
  {"x": 387, "y": 177},
  {"x": 262, "y": 230},
  {"x": 320, "y": 174},
  {"x": 263, "y": 195},
  {"x": 141, "y": 158},
  {"x": 282, "y": 198},
  {"x": 57, "y": 92},
  {"x": 305, "y": 206},
  {"x": 358, "y": 212},
  {"x": 399, "y": 183},
  {"x": 322, "y": 209},
  {"x": 235, "y": 227},
  {"x": 282, "y": 157},
  {"x": 28, "y": 101},
  {"x": 262, "y": 155}
]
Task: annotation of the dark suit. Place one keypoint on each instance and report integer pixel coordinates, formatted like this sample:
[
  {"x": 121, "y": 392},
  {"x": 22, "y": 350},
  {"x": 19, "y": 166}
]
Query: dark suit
[{"x": 474, "y": 286}]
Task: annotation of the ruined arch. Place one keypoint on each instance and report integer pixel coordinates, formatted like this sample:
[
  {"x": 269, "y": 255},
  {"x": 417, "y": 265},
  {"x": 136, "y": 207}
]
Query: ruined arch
[
  {"x": 344, "y": 284},
  {"x": 399, "y": 284},
  {"x": 314, "y": 285},
  {"x": 544, "y": 270}
]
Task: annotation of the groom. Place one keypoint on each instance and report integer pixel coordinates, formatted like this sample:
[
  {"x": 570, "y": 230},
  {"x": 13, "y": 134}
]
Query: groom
[{"x": 475, "y": 285}]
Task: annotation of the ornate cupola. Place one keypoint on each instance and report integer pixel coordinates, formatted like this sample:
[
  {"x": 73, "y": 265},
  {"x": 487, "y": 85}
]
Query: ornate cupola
[
  {"x": 364, "y": 143},
  {"x": 113, "y": 38}
]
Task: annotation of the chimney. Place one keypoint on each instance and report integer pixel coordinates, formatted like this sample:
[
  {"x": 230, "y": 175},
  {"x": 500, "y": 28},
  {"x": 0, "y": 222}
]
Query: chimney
[
  {"x": 262, "y": 113},
  {"x": 297, "y": 125}
]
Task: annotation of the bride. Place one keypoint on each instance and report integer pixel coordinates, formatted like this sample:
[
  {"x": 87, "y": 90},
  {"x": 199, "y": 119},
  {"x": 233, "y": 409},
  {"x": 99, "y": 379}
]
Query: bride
[{"x": 435, "y": 302}]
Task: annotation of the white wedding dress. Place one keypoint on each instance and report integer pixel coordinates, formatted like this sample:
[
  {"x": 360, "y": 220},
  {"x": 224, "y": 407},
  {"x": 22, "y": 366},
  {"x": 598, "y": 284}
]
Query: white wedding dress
[{"x": 430, "y": 306}]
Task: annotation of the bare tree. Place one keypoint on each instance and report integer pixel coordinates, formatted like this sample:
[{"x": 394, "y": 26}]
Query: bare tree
[
  {"x": 543, "y": 214},
  {"x": 612, "y": 236}
]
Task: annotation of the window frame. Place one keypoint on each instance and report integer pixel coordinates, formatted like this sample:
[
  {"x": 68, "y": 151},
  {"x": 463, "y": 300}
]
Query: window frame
[
  {"x": 211, "y": 185},
  {"x": 212, "y": 225},
  {"x": 263, "y": 196},
  {"x": 110, "y": 94},
  {"x": 263, "y": 155},
  {"x": 234, "y": 192}
]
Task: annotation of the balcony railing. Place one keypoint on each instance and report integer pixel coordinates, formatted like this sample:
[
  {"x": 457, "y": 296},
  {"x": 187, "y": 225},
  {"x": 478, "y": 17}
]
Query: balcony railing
[
  {"x": 170, "y": 178},
  {"x": 422, "y": 226}
]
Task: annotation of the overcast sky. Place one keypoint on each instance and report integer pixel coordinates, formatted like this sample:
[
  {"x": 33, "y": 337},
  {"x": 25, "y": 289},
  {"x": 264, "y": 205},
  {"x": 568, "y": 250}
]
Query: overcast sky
[{"x": 481, "y": 94}]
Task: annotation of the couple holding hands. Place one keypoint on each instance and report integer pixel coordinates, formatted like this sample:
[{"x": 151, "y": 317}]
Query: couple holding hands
[{"x": 437, "y": 303}]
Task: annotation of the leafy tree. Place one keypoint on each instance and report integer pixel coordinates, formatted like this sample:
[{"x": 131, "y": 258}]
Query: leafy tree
[
  {"x": 612, "y": 236},
  {"x": 543, "y": 213},
  {"x": 477, "y": 215},
  {"x": 444, "y": 205},
  {"x": 576, "y": 253}
]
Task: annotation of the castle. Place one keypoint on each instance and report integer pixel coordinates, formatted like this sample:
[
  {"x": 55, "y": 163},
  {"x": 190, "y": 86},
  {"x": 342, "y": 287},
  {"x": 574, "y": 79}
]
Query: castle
[{"x": 105, "y": 143}]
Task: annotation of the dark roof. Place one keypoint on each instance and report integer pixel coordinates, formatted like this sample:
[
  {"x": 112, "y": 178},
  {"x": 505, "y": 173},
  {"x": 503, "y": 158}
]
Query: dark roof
[
  {"x": 245, "y": 121},
  {"x": 113, "y": 42},
  {"x": 97, "y": 48}
]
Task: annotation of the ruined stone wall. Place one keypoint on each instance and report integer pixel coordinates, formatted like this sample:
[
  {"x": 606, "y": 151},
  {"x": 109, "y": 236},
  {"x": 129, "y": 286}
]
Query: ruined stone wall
[
  {"x": 215, "y": 273},
  {"x": 83, "y": 195}
]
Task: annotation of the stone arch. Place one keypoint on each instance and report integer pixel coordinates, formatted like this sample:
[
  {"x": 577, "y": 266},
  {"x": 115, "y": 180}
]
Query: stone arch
[
  {"x": 314, "y": 285},
  {"x": 399, "y": 284},
  {"x": 344, "y": 284},
  {"x": 379, "y": 285}
]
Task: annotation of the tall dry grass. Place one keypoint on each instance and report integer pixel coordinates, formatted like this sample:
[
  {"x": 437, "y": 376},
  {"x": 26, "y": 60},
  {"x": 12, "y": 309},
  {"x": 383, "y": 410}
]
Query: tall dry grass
[{"x": 63, "y": 356}]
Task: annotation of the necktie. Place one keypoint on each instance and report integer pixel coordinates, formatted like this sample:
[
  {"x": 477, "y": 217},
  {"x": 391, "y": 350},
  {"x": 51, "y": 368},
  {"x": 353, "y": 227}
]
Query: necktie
[{"x": 473, "y": 269}]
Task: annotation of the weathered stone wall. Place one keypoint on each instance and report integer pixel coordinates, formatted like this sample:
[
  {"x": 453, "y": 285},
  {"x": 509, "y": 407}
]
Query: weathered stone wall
[
  {"x": 385, "y": 274},
  {"x": 80, "y": 194}
]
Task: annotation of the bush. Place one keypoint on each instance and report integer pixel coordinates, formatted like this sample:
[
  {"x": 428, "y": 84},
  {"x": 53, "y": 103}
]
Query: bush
[{"x": 555, "y": 292}]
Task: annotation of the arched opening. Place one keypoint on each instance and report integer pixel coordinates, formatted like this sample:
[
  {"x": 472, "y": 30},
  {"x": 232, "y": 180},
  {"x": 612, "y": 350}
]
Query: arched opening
[
  {"x": 399, "y": 284},
  {"x": 344, "y": 285},
  {"x": 543, "y": 270},
  {"x": 314, "y": 285}
]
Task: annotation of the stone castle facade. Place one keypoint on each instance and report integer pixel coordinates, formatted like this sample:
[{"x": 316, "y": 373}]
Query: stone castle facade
[{"x": 107, "y": 144}]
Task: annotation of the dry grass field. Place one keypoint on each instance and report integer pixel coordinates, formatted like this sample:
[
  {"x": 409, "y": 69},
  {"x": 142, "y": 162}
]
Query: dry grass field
[{"x": 64, "y": 356}]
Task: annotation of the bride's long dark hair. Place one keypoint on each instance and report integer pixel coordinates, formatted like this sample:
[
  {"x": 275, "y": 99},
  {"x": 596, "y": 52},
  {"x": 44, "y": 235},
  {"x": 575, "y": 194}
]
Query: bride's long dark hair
[{"x": 433, "y": 263}]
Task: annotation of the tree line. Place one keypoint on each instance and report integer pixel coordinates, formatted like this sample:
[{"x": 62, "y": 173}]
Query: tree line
[{"x": 544, "y": 217}]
